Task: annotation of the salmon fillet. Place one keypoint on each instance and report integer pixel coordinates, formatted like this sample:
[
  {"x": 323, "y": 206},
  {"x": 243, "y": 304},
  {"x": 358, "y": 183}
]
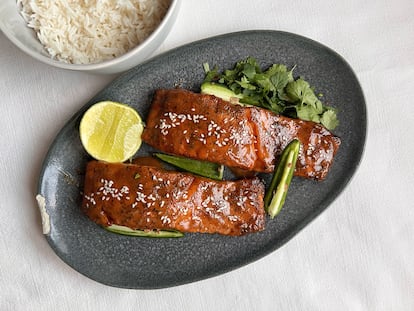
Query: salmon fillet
[
  {"x": 147, "y": 197},
  {"x": 208, "y": 128}
]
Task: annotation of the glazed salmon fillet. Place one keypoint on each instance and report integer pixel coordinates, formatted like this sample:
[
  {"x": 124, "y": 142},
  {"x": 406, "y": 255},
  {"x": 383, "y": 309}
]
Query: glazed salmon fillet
[
  {"x": 148, "y": 197},
  {"x": 208, "y": 128}
]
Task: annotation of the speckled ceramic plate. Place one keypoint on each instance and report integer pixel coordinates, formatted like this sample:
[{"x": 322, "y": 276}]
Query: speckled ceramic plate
[{"x": 143, "y": 263}]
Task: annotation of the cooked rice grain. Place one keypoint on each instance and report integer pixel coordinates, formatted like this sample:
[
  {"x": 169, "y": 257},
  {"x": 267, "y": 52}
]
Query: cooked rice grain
[{"x": 91, "y": 31}]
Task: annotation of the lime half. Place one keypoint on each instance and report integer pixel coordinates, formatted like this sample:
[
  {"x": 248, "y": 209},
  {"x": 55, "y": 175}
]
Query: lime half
[{"x": 111, "y": 131}]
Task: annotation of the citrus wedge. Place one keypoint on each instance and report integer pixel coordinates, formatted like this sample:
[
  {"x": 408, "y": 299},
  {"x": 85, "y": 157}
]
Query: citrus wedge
[{"x": 111, "y": 131}]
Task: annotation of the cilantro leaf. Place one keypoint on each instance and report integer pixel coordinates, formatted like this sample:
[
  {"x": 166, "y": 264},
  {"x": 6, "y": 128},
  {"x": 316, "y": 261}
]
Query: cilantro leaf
[
  {"x": 329, "y": 119},
  {"x": 249, "y": 71},
  {"x": 308, "y": 113},
  {"x": 319, "y": 106},
  {"x": 276, "y": 68},
  {"x": 300, "y": 91},
  {"x": 280, "y": 80},
  {"x": 264, "y": 82},
  {"x": 245, "y": 83}
]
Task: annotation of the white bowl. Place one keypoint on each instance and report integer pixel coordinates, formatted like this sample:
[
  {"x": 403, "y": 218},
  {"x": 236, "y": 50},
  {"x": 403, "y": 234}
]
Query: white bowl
[{"x": 15, "y": 28}]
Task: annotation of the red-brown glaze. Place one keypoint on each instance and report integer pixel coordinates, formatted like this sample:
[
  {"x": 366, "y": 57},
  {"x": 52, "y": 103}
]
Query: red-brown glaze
[
  {"x": 145, "y": 197},
  {"x": 147, "y": 161},
  {"x": 249, "y": 138}
]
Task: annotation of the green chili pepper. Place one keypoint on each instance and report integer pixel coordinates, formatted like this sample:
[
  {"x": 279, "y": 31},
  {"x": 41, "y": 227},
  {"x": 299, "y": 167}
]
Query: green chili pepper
[
  {"x": 202, "y": 168},
  {"x": 279, "y": 185},
  {"x": 219, "y": 90},
  {"x": 143, "y": 233}
]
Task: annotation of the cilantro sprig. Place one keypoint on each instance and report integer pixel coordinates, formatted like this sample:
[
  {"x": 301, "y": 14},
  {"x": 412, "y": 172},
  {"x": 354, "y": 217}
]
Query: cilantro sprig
[{"x": 275, "y": 89}]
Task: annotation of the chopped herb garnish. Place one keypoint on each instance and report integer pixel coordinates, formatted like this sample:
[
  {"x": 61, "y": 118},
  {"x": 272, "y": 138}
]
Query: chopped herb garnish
[{"x": 275, "y": 89}]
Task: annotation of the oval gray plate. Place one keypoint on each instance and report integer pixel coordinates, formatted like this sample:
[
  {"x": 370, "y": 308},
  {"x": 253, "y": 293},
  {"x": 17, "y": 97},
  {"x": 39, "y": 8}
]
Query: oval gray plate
[{"x": 142, "y": 263}]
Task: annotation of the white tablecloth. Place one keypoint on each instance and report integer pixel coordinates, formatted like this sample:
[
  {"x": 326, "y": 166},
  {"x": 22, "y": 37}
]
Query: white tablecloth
[{"x": 358, "y": 255}]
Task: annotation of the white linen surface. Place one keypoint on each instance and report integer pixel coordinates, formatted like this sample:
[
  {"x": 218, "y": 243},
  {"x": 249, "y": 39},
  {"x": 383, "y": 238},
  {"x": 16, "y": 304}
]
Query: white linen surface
[{"x": 358, "y": 255}]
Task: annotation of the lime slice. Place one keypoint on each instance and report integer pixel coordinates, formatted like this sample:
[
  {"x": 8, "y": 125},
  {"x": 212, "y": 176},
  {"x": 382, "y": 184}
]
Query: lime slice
[{"x": 111, "y": 131}]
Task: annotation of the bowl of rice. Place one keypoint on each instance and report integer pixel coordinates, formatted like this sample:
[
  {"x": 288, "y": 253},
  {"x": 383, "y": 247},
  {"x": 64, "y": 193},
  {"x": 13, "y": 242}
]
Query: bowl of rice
[{"x": 99, "y": 36}]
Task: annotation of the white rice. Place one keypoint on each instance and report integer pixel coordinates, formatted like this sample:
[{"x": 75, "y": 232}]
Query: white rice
[{"x": 91, "y": 31}]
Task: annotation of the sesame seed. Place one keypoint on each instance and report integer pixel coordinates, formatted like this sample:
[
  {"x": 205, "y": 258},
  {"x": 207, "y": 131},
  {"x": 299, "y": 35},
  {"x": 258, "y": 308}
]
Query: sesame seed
[
  {"x": 196, "y": 218},
  {"x": 151, "y": 197},
  {"x": 241, "y": 201},
  {"x": 233, "y": 218},
  {"x": 165, "y": 219},
  {"x": 141, "y": 197}
]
